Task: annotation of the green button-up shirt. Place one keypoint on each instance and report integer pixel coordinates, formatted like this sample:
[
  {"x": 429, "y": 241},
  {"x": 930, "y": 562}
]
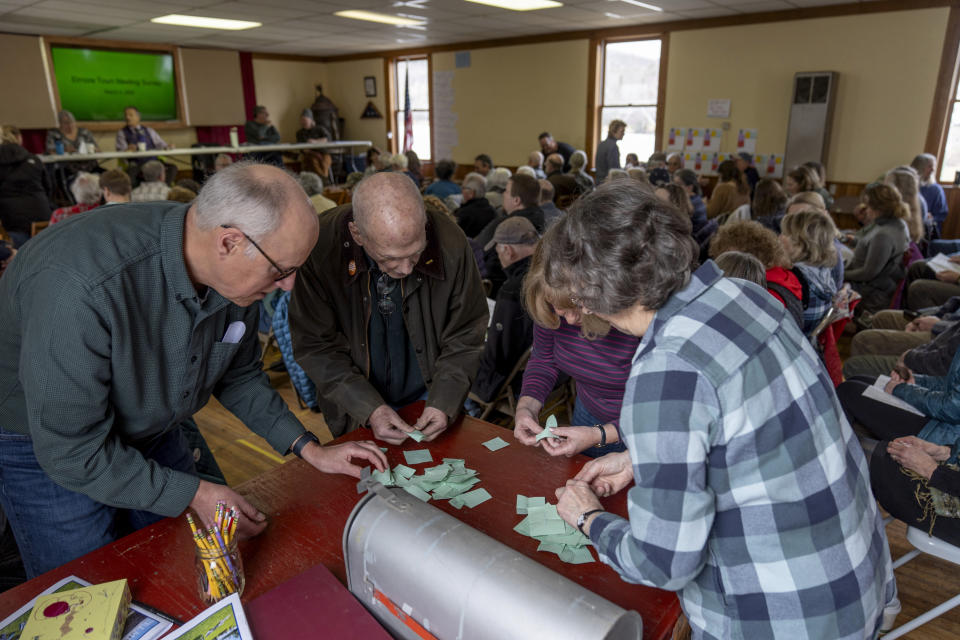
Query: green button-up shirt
[{"x": 105, "y": 345}]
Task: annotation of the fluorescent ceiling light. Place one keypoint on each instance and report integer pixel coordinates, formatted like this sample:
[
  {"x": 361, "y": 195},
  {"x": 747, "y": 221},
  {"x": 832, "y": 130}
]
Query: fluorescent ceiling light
[
  {"x": 520, "y": 5},
  {"x": 205, "y": 23},
  {"x": 637, "y": 3},
  {"x": 382, "y": 18}
]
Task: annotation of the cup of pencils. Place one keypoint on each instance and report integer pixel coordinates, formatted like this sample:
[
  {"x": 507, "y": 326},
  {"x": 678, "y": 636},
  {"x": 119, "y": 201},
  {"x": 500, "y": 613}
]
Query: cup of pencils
[{"x": 218, "y": 562}]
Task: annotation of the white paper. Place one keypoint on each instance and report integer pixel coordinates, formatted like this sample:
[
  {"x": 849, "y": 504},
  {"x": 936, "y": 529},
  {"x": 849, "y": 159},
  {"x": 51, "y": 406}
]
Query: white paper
[
  {"x": 747, "y": 141},
  {"x": 141, "y": 624},
  {"x": 718, "y": 108},
  {"x": 234, "y": 332},
  {"x": 675, "y": 139},
  {"x": 223, "y": 620},
  {"x": 876, "y": 392},
  {"x": 941, "y": 262},
  {"x": 711, "y": 139},
  {"x": 693, "y": 141}
]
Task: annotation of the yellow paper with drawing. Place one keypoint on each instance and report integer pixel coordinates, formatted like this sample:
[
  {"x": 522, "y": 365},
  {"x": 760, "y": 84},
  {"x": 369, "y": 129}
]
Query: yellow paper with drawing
[{"x": 97, "y": 612}]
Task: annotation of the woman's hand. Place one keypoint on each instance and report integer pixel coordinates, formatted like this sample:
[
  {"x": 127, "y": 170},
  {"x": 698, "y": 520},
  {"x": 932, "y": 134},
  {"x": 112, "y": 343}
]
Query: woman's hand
[
  {"x": 572, "y": 440},
  {"x": 912, "y": 457},
  {"x": 900, "y": 375},
  {"x": 526, "y": 427},
  {"x": 938, "y": 452},
  {"x": 923, "y": 323}
]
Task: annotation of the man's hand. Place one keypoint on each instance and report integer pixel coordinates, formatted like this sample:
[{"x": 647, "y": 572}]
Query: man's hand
[
  {"x": 575, "y": 498},
  {"x": 339, "y": 458},
  {"x": 388, "y": 426},
  {"x": 432, "y": 423},
  {"x": 572, "y": 440},
  {"x": 923, "y": 323},
  {"x": 250, "y": 522},
  {"x": 950, "y": 277},
  {"x": 607, "y": 475},
  {"x": 526, "y": 427},
  {"x": 954, "y": 258}
]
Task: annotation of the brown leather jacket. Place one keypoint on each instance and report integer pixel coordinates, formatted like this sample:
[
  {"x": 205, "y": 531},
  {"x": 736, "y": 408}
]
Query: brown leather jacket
[{"x": 444, "y": 309}]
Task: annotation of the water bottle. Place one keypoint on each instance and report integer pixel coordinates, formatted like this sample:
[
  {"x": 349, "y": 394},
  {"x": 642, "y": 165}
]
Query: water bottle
[
  {"x": 58, "y": 144},
  {"x": 234, "y": 138}
]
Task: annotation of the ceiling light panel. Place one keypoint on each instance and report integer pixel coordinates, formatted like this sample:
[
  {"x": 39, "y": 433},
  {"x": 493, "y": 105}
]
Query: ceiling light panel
[
  {"x": 205, "y": 23},
  {"x": 382, "y": 18},
  {"x": 520, "y": 5}
]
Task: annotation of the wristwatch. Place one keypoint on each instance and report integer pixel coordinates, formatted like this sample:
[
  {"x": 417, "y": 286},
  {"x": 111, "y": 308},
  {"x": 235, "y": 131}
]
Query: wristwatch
[
  {"x": 297, "y": 447},
  {"x": 603, "y": 436},
  {"x": 582, "y": 519}
]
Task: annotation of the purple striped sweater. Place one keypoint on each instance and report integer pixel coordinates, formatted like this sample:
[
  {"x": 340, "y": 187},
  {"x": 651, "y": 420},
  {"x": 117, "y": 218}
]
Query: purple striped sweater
[{"x": 599, "y": 367}]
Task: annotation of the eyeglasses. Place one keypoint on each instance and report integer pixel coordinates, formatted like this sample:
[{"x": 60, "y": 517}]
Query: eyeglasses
[
  {"x": 385, "y": 287},
  {"x": 283, "y": 274}
]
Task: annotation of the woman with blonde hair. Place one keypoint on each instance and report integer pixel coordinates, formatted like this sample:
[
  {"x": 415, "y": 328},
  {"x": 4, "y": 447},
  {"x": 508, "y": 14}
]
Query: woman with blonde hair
[
  {"x": 808, "y": 238},
  {"x": 584, "y": 347},
  {"x": 877, "y": 264},
  {"x": 806, "y": 200},
  {"x": 801, "y": 178},
  {"x": 907, "y": 182}
]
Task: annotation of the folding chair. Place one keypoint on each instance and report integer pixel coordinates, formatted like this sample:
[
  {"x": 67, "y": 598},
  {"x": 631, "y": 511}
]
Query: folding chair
[
  {"x": 925, "y": 543},
  {"x": 504, "y": 402}
]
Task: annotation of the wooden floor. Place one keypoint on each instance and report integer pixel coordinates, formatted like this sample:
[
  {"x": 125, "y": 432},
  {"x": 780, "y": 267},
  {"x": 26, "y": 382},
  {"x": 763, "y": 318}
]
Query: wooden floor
[{"x": 923, "y": 582}]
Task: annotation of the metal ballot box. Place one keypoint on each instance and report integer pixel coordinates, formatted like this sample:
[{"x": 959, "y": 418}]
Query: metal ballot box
[{"x": 424, "y": 574}]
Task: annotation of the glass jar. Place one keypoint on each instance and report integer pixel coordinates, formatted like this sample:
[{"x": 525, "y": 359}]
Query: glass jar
[{"x": 219, "y": 572}]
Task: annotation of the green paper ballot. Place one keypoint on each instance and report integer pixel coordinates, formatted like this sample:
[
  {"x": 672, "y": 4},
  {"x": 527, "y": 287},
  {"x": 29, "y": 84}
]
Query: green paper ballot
[
  {"x": 383, "y": 477},
  {"x": 521, "y": 505},
  {"x": 438, "y": 473},
  {"x": 475, "y": 497},
  {"x": 576, "y": 555},
  {"x": 548, "y": 429},
  {"x": 418, "y": 456},
  {"x": 547, "y": 528},
  {"x": 417, "y": 492},
  {"x": 403, "y": 471},
  {"x": 416, "y": 435},
  {"x": 496, "y": 444},
  {"x": 551, "y": 547},
  {"x": 523, "y": 527}
]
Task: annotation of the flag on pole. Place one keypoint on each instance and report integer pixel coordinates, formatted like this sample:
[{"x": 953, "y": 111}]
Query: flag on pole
[{"x": 407, "y": 116}]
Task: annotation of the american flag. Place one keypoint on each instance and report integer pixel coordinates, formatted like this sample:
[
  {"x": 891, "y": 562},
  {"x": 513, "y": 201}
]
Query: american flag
[{"x": 407, "y": 116}]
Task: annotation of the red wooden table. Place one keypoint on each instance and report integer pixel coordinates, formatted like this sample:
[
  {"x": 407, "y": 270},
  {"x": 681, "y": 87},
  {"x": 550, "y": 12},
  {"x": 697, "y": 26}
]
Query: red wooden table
[{"x": 308, "y": 510}]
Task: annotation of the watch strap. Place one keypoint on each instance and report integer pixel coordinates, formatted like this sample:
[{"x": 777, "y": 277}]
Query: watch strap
[
  {"x": 582, "y": 520},
  {"x": 301, "y": 442},
  {"x": 603, "y": 435}
]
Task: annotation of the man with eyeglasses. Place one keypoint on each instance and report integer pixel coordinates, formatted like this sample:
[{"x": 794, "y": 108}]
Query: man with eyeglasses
[
  {"x": 119, "y": 326},
  {"x": 389, "y": 309}
]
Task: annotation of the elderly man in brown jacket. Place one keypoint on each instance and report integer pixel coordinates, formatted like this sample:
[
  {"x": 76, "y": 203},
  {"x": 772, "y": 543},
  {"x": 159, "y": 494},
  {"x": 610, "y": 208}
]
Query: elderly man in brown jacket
[{"x": 389, "y": 309}]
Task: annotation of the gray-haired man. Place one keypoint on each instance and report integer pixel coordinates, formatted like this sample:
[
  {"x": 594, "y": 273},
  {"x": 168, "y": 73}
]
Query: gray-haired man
[{"x": 120, "y": 325}]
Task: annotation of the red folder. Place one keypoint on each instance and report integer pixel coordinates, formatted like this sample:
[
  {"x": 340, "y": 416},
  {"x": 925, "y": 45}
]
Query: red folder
[{"x": 313, "y": 604}]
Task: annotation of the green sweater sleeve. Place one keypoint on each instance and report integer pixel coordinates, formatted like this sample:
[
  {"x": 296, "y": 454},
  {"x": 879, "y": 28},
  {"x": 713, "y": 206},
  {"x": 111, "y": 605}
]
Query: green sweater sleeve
[
  {"x": 246, "y": 392},
  {"x": 65, "y": 370}
]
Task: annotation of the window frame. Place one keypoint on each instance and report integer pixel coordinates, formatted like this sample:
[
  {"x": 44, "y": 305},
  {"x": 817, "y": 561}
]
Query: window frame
[
  {"x": 945, "y": 95},
  {"x": 393, "y": 97},
  {"x": 595, "y": 98}
]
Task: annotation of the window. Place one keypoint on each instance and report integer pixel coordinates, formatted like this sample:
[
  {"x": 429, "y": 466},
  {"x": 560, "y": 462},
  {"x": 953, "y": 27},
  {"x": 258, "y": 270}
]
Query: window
[
  {"x": 629, "y": 89},
  {"x": 417, "y": 72},
  {"x": 951, "y": 152}
]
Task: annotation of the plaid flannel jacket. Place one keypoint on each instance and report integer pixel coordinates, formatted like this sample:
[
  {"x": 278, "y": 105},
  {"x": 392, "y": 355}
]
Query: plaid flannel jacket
[{"x": 752, "y": 495}]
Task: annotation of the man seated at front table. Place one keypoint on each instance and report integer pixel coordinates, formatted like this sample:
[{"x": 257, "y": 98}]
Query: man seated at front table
[
  {"x": 259, "y": 131},
  {"x": 121, "y": 324},
  {"x": 389, "y": 309}
]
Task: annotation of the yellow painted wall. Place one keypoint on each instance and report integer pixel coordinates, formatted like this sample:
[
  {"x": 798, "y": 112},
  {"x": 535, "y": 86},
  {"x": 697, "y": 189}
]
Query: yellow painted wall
[
  {"x": 509, "y": 95},
  {"x": 286, "y": 88},
  {"x": 887, "y": 62},
  {"x": 344, "y": 85}
]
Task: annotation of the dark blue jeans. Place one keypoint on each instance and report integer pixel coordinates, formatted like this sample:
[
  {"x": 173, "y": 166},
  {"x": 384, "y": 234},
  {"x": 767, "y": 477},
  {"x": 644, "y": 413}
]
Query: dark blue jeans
[
  {"x": 54, "y": 525},
  {"x": 582, "y": 417}
]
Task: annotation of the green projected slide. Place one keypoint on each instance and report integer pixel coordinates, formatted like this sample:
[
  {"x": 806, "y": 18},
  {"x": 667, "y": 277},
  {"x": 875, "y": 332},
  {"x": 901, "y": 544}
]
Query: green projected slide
[{"x": 96, "y": 84}]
